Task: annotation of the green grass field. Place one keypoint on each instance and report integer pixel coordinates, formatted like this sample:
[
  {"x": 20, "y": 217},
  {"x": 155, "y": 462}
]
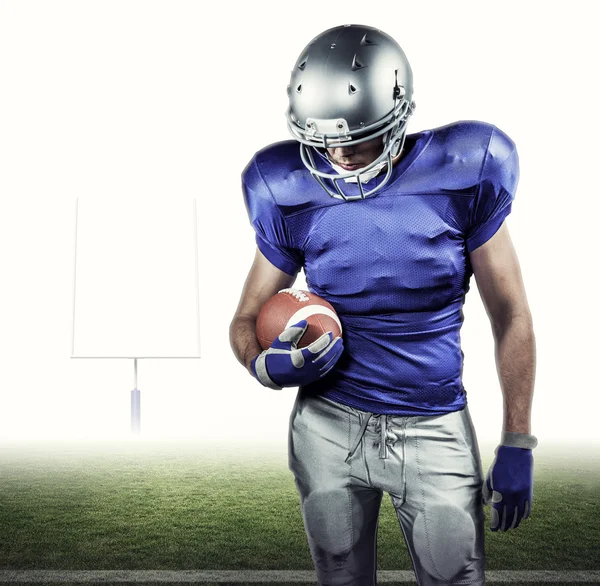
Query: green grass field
[{"x": 147, "y": 506}]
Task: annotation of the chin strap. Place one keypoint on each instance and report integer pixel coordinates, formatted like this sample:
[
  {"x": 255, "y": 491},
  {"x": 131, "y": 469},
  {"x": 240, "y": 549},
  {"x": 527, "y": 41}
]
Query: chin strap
[{"x": 364, "y": 177}]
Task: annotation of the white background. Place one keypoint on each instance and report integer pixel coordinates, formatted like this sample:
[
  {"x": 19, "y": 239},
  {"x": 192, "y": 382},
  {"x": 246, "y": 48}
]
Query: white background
[
  {"x": 129, "y": 98},
  {"x": 136, "y": 278}
]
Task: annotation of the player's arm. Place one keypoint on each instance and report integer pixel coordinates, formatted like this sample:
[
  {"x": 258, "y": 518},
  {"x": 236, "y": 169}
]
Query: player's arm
[
  {"x": 498, "y": 276},
  {"x": 263, "y": 281},
  {"x": 509, "y": 482},
  {"x": 283, "y": 364}
]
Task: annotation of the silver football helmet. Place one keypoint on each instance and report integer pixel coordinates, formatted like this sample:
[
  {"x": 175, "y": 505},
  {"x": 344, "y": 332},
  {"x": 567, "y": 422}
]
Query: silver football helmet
[{"x": 351, "y": 84}]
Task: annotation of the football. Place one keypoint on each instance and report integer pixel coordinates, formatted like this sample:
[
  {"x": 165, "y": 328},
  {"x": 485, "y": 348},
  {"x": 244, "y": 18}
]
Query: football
[{"x": 288, "y": 307}]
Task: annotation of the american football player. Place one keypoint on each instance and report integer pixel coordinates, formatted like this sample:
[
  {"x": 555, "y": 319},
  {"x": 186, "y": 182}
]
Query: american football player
[{"x": 389, "y": 227}]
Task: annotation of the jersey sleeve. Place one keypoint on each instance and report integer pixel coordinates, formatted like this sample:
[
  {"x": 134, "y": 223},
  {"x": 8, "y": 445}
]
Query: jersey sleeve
[
  {"x": 272, "y": 234},
  {"x": 497, "y": 187}
]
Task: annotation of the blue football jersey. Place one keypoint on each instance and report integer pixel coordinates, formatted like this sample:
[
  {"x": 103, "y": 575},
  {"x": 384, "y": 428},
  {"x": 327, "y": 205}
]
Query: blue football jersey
[{"x": 394, "y": 265}]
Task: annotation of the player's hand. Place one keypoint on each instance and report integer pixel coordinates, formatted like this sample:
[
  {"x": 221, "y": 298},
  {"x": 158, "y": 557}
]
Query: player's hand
[
  {"x": 286, "y": 365},
  {"x": 509, "y": 483}
]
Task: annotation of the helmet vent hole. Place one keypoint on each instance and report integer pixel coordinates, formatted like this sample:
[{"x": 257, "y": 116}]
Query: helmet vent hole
[
  {"x": 352, "y": 89},
  {"x": 302, "y": 65},
  {"x": 356, "y": 64},
  {"x": 366, "y": 41},
  {"x": 299, "y": 88}
]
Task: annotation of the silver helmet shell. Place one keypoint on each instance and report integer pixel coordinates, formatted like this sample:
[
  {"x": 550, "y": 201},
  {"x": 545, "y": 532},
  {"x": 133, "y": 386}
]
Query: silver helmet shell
[{"x": 351, "y": 84}]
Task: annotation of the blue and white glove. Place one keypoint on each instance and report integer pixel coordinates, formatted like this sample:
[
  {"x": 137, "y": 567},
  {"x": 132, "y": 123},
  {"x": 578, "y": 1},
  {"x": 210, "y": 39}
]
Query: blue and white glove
[
  {"x": 285, "y": 365},
  {"x": 509, "y": 482}
]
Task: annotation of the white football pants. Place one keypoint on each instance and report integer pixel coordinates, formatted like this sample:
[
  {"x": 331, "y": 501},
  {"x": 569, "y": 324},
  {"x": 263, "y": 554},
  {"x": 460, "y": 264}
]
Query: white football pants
[{"x": 343, "y": 459}]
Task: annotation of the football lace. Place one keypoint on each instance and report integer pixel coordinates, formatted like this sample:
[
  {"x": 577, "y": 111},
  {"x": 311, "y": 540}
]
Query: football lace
[{"x": 299, "y": 295}]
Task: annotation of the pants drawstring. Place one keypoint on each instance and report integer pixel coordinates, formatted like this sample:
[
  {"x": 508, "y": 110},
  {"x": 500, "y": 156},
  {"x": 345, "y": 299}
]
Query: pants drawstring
[
  {"x": 382, "y": 427},
  {"x": 383, "y": 438},
  {"x": 359, "y": 437}
]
